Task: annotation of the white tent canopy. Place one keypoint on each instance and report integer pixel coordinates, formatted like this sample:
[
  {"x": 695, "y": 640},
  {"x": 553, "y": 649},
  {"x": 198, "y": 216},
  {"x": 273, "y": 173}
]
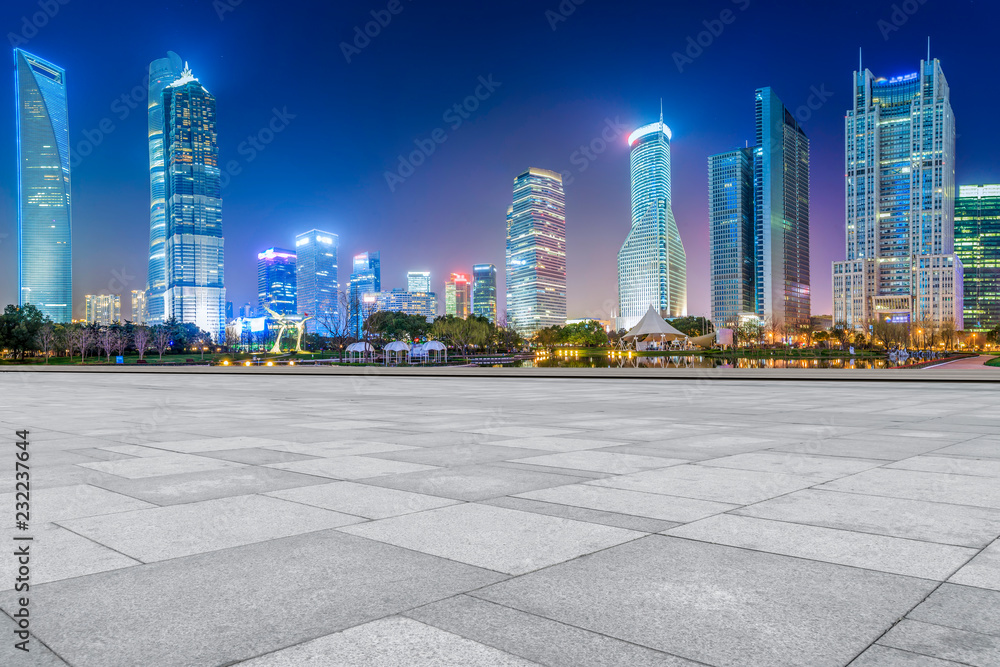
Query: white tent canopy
[
  {"x": 655, "y": 327},
  {"x": 360, "y": 347},
  {"x": 424, "y": 350},
  {"x": 398, "y": 349}
]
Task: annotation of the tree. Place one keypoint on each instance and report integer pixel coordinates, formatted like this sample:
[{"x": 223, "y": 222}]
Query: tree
[
  {"x": 548, "y": 336},
  {"x": 692, "y": 325},
  {"x": 46, "y": 339},
  {"x": 585, "y": 334},
  {"x": 19, "y": 328},
  {"x": 106, "y": 340},
  {"x": 232, "y": 337},
  {"x": 82, "y": 336},
  {"x": 337, "y": 324},
  {"x": 993, "y": 335},
  {"x": 506, "y": 335},
  {"x": 161, "y": 339},
  {"x": 141, "y": 336}
]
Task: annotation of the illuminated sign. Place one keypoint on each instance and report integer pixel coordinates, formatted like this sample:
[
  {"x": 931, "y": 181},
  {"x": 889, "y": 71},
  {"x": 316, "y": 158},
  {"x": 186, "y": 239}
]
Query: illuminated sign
[
  {"x": 258, "y": 324},
  {"x": 905, "y": 77},
  {"x": 302, "y": 242},
  {"x": 324, "y": 239},
  {"x": 645, "y": 130},
  {"x": 271, "y": 253}
]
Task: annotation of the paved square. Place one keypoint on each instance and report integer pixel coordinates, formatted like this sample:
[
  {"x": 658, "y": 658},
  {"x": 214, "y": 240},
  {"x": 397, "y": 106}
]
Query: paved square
[{"x": 468, "y": 521}]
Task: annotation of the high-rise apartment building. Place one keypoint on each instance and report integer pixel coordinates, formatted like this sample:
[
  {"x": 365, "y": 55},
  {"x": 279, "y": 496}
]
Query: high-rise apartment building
[
  {"x": 139, "y": 312},
  {"x": 195, "y": 291},
  {"x": 457, "y": 296},
  {"x": 536, "y": 252},
  {"x": 276, "y": 281},
  {"x": 900, "y": 176},
  {"x": 759, "y": 218},
  {"x": 162, "y": 73},
  {"x": 484, "y": 291},
  {"x": 652, "y": 266},
  {"x": 418, "y": 281},
  {"x": 977, "y": 245},
  {"x": 316, "y": 276},
  {"x": 105, "y": 309},
  {"x": 731, "y": 236},
  {"x": 44, "y": 251},
  {"x": 423, "y": 304},
  {"x": 781, "y": 212},
  {"x": 366, "y": 281}
]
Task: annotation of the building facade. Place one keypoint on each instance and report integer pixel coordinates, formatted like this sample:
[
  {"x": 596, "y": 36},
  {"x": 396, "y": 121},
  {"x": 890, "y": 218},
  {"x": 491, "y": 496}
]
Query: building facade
[
  {"x": 900, "y": 193},
  {"x": 162, "y": 73},
  {"x": 366, "y": 281},
  {"x": 139, "y": 312},
  {"x": 484, "y": 291},
  {"x": 731, "y": 235},
  {"x": 277, "y": 281},
  {"x": 536, "y": 252},
  {"x": 423, "y": 304},
  {"x": 457, "y": 296},
  {"x": 977, "y": 245},
  {"x": 781, "y": 212},
  {"x": 104, "y": 309},
  {"x": 418, "y": 281},
  {"x": 652, "y": 266},
  {"x": 45, "y": 238},
  {"x": 316, "y": 279},
  {"x": 194, "y": 246}
]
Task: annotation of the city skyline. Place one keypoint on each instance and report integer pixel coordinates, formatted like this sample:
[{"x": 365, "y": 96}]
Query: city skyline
[{"x": 814, "y": 94}]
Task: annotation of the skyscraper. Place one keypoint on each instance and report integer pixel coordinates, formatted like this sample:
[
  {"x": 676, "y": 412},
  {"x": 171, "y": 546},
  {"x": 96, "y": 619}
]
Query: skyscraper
[
  {"x": 484, "y": 291},
  {"x": 365, "y": 280},
  {"x": 139, "y": 313},
  {"x": 536, "y": 252},
  {"x": 316, "y": 276},
  {"x": 977, "y": 245},
  {"x": 900, "y": 195},
  {"x": 456, "y": 296},
  {"x": 45, "y": 251},
  {"x": 731, "y": 235},
  {"x": 652, "y": 266},
  {"x": 418, "y": 281},
  {"x": 276, "y": 281},
  {"x": 423, "y": 304},
  {"x": 103, "y": 309},
  {"x": 781, "y": 212},
  {"x": 162, "y": 73},
  {"x": 195, "y": 291}
]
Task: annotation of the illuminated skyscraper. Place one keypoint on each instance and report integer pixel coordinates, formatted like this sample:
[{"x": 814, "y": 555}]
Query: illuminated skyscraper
[
  {"x": 366, "y": 280},
  {"x": 418, "y": 281},
  {"x": 316, "y": 278},
  {"x": 652, "y": 266},
  {"x": 45, "y": 251},
  {"x": 276, "y": 281},
  {"x": 162, "y": 73},
  {"x": 977, "y": 244},
  {"x": 139, "y": 313},
  {"x": 900, "y": 170},
  {"x": 484, "y": 291},
  {"x": 731, "y": 235},
  {"x": 536, "y": 252},
  {"x": 781, "y": 212},
  {"x": 193, "y": 207},
  {"x": 423, "y": 304},
  {"x": 456, "y": 296},
  {"x": 103, "y": 309}
]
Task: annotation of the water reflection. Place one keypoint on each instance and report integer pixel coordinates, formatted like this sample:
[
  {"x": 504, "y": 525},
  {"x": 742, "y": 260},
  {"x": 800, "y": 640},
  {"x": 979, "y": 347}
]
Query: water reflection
[{"x": 620, "y": 360}]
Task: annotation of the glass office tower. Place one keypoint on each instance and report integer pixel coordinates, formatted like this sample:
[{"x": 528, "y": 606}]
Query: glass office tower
[
  {"x": 193, "y": 208},
  {"x": 484, "y": 291},
  {"x": 536, "y": 252},
  {"x": 900, "y": 201},
  {"x": 162, "y": 73},
  {"x": 781, "y": 210},
  {"x": 316, "y": 278},
  {"x": 652, "y": 266},
  {"x": 418, "y": 281},
  {"x": 276, "y": 281},
  {"x": 977, "y": 245},
  {"x": 456, "y": 296},
  {"x": 45, "y": 250},
  {"x": 366, "y": 280},
  {"x": 731, "y": 235}
]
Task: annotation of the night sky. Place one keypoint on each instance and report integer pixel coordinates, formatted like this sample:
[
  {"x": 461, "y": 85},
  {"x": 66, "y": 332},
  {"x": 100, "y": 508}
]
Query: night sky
[{"x": 605, "y": 66}]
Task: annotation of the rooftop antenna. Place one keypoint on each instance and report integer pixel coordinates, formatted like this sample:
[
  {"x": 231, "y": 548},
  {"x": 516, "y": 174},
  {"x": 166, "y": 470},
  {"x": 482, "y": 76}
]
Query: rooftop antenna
[
  {"x": 661, "y": 110},
  {"x": 928, "y": 48},
  {"x": 859, "y": 61}
]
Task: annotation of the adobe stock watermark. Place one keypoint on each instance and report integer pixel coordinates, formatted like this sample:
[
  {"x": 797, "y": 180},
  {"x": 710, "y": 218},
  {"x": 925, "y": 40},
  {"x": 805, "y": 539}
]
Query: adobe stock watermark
[
  {"x": 32, "y": 23},
  {"x": 121, "y": 108},
  {"x": 223, "y": 7},
  {"x": 363, "y": 35},
  {"x": 817, "y": 98},
  {"x": 455, "y": 116},
  {"x": 586, "y": 154},
  {"x": 696, "y": 44},
  {"x": 562, "y": 12},
  {"x": 900, "y": 14},
  {"x": 254, "y": 144}
]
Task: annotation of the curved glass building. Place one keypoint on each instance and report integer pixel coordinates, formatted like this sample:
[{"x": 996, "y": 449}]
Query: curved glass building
[
  {"x": 652, "y": 266},
  {"x": 162, "y": 73},
  {"x": 45, "y": 250}
]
